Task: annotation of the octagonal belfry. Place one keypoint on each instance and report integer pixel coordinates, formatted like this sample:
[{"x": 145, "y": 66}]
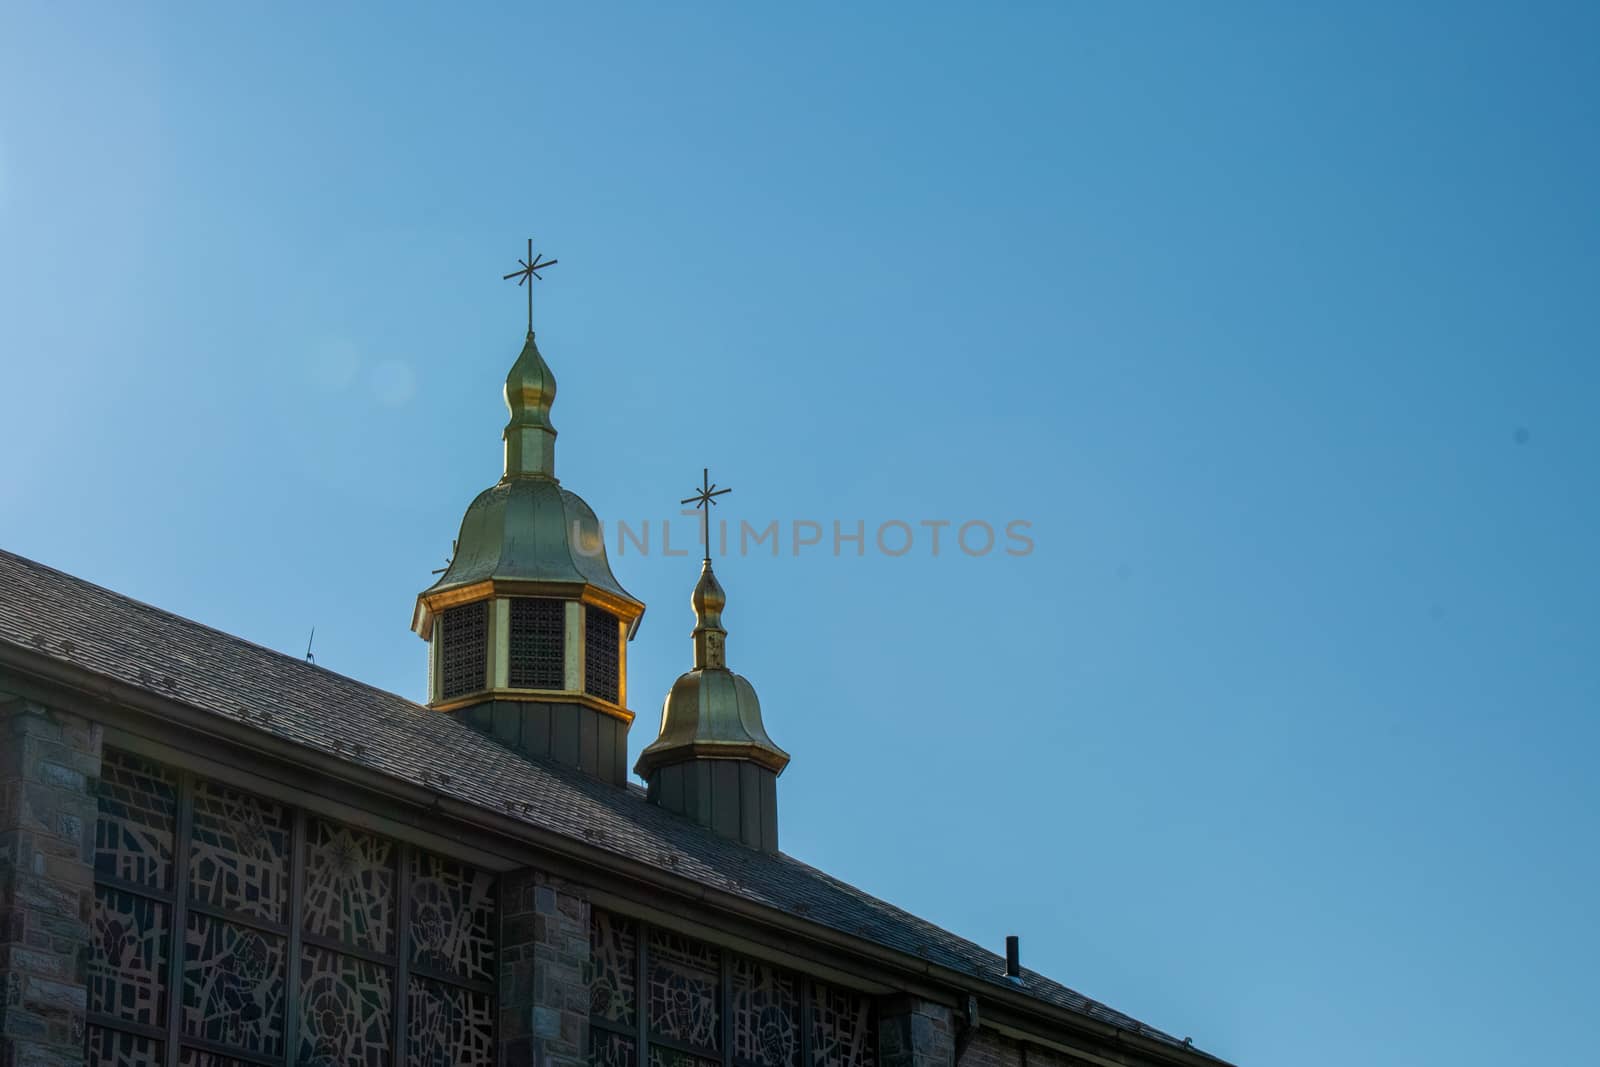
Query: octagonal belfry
[{"x": 527, "y": 627}]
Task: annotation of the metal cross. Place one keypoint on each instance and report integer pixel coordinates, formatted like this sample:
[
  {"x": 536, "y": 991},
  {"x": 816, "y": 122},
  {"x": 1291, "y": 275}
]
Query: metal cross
[
  {"x": 705, "y": 498},
  {"x": 530, "y": 269}
]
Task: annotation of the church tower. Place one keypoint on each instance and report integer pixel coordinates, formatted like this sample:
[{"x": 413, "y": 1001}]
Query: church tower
[
  {"x": 527, "y": 628},
  {"x": 713, "y": 760}
]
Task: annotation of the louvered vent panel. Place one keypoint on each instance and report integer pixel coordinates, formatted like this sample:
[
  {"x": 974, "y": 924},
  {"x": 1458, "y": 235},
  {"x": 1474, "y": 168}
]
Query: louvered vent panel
[
  {"x": 465, "y": 652},
  {"x": 537, "y": 645},
  {"x": 601, "y": 640}
]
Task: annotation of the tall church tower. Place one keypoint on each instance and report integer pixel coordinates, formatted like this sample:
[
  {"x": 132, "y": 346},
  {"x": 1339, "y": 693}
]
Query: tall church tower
[{"x": 527, "y": 628}]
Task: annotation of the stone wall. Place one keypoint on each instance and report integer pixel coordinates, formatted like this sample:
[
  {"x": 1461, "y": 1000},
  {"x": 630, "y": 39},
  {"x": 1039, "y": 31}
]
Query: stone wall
[
  {"x": 48, "y": 763},
  {"x": 544, "y": 972},
  {"x": 915, "y": 1033}
]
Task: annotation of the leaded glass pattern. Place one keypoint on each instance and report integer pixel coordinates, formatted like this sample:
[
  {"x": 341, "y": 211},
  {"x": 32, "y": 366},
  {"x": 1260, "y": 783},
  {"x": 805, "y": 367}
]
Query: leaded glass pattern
[
  {"x": 237, "y": 978},
  {"x": 448, "y": 1026},
  {"x": 138, "y": 818},
  {"x": 349, "y": 886},
  {"x": 671, "y": 1057},
  {"x": 234, "y": 985},
  {"x": 452, "y": 918},
  {"x": 112, "y": 1048},
  {"x": 464, "y": 648},
  {"x": 194, "y": 1057},
  {"x": 770, "y": 1016},
  {"x": 765, "y": 1004},
  {"x": 841, "y": 1028},
  {"x": 537, "y": 643},
  {"x": 239, "y": 859},
  {"x": 346, "y": 1008},
  {"x": 128, "y": 957},
  {"x": 683, "y": 980},
  {"x": 607, "y": 1049},
  {"x": 613, "y": 963},
  {"x": 602, "y": 636}
]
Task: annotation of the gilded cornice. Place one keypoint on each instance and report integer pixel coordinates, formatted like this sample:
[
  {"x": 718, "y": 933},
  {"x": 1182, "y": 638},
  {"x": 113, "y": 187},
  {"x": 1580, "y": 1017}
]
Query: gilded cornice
[
  {"x": 430, "y": 604},
  {"x": 539, "y": 696}
]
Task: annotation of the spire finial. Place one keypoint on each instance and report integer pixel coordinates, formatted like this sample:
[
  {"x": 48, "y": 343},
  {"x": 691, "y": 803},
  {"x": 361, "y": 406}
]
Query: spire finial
[
  {"x": 529, "y": 270},
  {"x": 530, "y": 390},
  {"x": 704, "y": 499},
  {"x": 708, "y": 599}
]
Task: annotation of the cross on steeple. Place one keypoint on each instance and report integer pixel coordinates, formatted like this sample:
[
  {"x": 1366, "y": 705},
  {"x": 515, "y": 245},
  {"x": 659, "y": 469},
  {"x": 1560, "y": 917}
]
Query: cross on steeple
[
  {"x": 705, "y": 498},
  {"x": 529, "y": 270}
]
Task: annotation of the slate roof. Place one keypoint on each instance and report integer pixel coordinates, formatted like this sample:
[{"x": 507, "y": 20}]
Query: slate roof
[{"x": 113, "y": 636}]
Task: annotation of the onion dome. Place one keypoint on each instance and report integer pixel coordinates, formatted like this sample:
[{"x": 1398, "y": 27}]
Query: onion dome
[
  {"x": 530, "y": 529},
  {"x": 530, "y": 392},
  {"x": 527, "y": 626},
  {"x": 713, "y": 759}
]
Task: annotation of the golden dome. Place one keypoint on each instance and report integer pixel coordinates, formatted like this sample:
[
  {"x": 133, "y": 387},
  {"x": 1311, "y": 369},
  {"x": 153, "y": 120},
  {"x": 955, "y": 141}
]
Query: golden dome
[
  {"x": 531, "y": 530},
  {"x": 527, "y": 535},
  {"x": 709, "y": 598},
  {"x": 711, "y": 712}
]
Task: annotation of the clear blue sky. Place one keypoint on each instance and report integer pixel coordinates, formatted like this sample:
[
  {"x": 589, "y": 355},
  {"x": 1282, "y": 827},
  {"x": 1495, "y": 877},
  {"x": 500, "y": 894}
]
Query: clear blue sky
[{"x": 1278, "y": 325}]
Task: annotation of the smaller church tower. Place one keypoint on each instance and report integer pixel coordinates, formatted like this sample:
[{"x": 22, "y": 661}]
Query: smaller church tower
[
  {"x": 713, "y": 760},
  {"x": 527, "y": 628}
]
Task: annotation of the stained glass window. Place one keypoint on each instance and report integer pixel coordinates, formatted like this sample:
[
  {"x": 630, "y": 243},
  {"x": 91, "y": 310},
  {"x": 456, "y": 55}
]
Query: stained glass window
[
  {"x": 609, "y": 1049},
  {"x": 613, "y": 965},
  {"x": 239, "y": 859},
  {"x": 128, "y": 957},
  {"x": 138, "y": 818},
  {"x": 452, "y": 918},
  {"x": 671, "y": 1057},
  {"x": 841, "y": 1028},
  {"x": 765, "y": 1004},
  {"x": 687, "y": 982},
  {"x": 346, "y": 1006},
  {"x": 602, "y": 639},
  {"x": 464, "y": 648},
  {"x": 684, "y": 997},
  {"x": 537, "y": 643},
  {"x": 350, "y": 886},
  {"x": 189, "y": 1056},
  {"x": 231, "y": 928},
  {"x": 613, "y": 977},
  {"x": 131, "y": 936},
  {"x": 112, "y": 1048},
  {"x": 448, "y": 1026},
  {"x": 234, "y": 985}
]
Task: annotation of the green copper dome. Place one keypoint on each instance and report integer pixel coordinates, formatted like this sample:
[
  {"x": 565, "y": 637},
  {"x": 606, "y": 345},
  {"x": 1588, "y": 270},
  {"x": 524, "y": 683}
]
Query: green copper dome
[
  {"x": 529, "y": 529},
  {"x": 527, "y": 533},
  {"x": 711, "y": 712}
]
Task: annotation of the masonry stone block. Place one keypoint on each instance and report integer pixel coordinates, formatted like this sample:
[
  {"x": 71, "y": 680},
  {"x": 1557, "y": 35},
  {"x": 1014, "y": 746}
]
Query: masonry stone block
[
  {"x": 915, "y": 1033},
  {"x": 49, "y": 761},
  {"x": 544, "y": 972}
]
